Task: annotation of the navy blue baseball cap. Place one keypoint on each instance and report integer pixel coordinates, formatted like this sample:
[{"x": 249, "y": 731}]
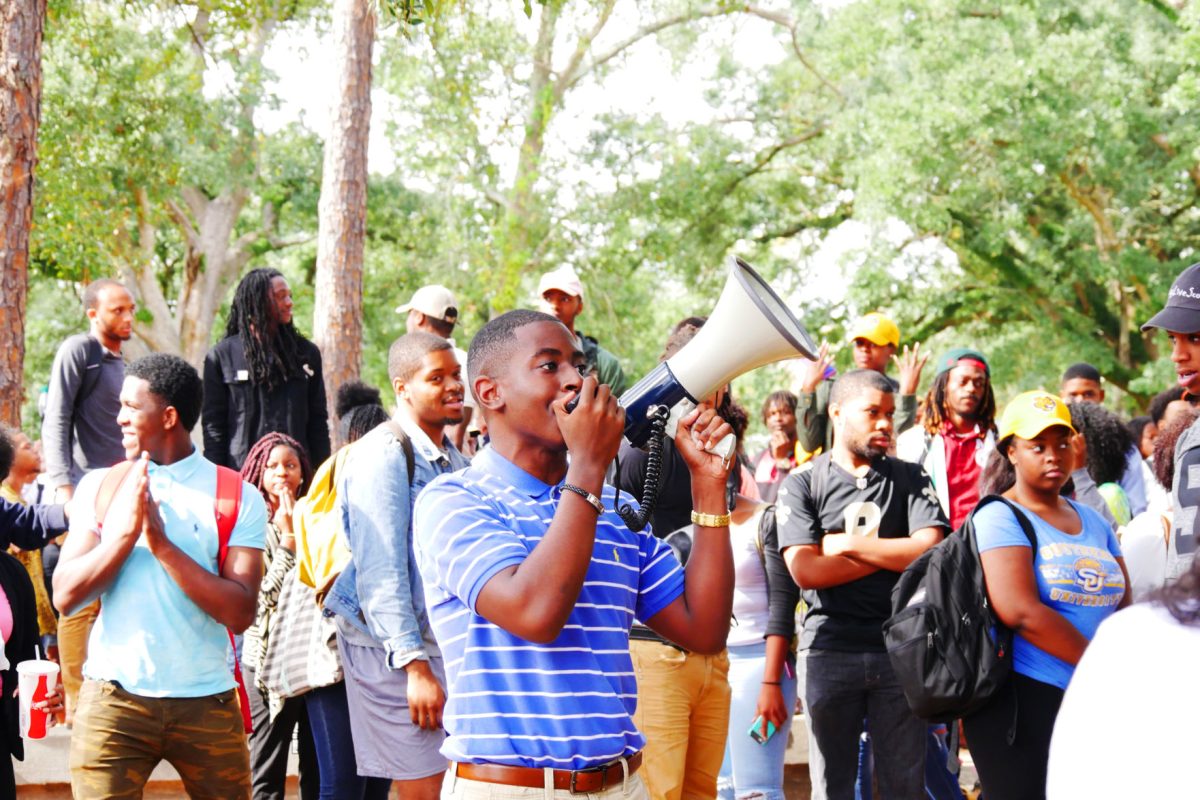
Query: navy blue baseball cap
[{"x": 1182, "y": 311}]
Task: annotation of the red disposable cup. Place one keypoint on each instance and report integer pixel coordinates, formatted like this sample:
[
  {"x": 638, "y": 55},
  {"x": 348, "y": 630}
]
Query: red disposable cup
[{"x": 35, "y": 680}]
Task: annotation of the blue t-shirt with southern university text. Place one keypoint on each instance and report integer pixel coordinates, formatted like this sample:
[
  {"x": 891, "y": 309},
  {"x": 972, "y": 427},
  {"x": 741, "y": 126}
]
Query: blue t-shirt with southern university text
[
  {"x": 568, "y": 704},
  {"x": 1077, "y": 575}
]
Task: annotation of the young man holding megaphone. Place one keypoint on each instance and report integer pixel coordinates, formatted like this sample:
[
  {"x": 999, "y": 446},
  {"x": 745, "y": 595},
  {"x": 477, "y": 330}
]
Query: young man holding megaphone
[{"x": 533, "y": 580}]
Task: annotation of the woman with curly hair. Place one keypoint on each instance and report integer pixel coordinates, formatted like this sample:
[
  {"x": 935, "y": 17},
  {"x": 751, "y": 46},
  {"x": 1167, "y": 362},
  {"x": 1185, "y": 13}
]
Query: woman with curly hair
[
  {"x": 1102, "y": 451},
  {"x": 1146, "y": 539},
  {"x": 278, "y": 465}
]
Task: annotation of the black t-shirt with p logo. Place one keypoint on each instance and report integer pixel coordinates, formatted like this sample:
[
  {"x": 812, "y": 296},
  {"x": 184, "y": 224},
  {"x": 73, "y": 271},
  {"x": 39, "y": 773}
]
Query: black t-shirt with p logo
[{"x": 894, "y": 499}]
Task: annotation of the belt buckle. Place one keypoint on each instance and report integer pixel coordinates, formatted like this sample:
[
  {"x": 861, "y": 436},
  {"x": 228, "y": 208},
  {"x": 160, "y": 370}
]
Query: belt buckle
[{"x": 603, "y": 778}]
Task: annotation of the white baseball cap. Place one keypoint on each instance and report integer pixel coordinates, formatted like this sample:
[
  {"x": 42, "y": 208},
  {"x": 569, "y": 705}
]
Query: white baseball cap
[
  {"x": 564, "y": 279},
  {"x": 433, "y": 301}
]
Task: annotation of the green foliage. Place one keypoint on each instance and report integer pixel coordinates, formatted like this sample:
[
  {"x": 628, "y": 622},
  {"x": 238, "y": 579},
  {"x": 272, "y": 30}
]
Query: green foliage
[
  {"x": 1034, "y": 142},
  {"x": 1040, "y": 158}
]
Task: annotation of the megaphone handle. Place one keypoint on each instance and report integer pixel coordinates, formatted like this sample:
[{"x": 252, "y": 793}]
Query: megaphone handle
[{"x": 723, "y": 448}]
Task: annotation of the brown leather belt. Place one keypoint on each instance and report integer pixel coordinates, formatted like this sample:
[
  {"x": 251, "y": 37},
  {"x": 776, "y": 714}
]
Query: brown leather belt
[{"x": 580, "y": 781}]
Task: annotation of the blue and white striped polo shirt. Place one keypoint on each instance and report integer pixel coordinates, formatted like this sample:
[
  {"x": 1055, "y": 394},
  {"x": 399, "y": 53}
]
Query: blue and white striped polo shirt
[{"x": 568, "y": 704}]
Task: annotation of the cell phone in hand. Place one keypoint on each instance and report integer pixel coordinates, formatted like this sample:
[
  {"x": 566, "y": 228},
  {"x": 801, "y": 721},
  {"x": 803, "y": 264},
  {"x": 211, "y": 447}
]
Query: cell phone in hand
[{"x": 756, "y": 730}]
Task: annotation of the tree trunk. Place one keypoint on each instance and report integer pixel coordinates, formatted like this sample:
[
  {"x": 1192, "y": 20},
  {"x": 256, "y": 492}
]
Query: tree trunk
[
  {"x": 342, "y": 211},
  {"x": 220, "y": 259},
  {"x": 20, "y": 112}
]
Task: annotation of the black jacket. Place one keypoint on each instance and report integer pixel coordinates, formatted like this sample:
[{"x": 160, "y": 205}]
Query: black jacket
[
  {"x": 238, "y": 412},
  {"x": 29, "y": 527},
  {"x": 18, "y": 589}
]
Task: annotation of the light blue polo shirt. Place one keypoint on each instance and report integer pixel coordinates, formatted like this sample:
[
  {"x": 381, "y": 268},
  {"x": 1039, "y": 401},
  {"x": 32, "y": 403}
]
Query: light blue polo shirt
[
  {"x": 568, "y": 704},
  {"x": 150, "y": 637}
]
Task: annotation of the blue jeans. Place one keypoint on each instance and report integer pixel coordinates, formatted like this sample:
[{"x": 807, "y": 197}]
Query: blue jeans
[
  {"x": 750, "y": 767},
  {"x": 329, "y": 717},
  {"x": 940, "y": 782},
  {"x": 842, "y": 689}
]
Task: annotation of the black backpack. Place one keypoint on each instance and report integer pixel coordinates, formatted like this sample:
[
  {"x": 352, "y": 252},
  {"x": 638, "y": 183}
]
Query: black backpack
[{"x": 949, "y": 651}]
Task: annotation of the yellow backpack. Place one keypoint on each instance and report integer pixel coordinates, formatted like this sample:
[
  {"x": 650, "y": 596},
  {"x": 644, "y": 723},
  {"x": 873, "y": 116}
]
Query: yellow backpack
[{"x": 322, "y": 550}]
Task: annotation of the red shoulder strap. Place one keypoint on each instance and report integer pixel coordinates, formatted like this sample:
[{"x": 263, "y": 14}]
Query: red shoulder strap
[
  {"x": 108, "y": 489},
  {"x": 225, "y": 508}
]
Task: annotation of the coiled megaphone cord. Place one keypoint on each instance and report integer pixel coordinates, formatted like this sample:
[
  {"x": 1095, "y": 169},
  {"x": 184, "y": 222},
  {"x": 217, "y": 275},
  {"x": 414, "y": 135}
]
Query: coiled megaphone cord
[{"x": 636, "y": 519}]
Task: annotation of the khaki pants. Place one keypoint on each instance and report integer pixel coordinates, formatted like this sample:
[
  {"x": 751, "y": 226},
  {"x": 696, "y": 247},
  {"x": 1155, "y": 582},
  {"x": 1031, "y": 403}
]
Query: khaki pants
[
  {"x": 120, "y": 737},
  {"x": 683, "y": 711},
  {"x": 73, "y": 633}
]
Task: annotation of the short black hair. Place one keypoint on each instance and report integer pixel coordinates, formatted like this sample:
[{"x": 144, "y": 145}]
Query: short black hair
[
  {"x": 1137, "y": 426},
  {"x": 781, "y": 397},
  {"x": 683, "y": 332},
  {"x": 1082, "y": 370},
  {"x": 361, "y": 420},
  {"x": 442, "y": 327},
  {"x": 406, "y": 353},
  {"x": 1160, "y": 401},
  {"x": 359, "y": 409},
  {"x": 8, "y": 450},
  {"x": 493, "y": 345},
  {"x": 175, "y": 381},
  {"x": 355, "y": 393},
  {"x": 856, "y": 381},
  {"x": 91, "y": 292}
]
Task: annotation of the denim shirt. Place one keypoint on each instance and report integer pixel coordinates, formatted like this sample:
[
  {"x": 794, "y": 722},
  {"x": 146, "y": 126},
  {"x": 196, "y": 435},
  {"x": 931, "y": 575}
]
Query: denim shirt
[{"x": 379, "y": 599}]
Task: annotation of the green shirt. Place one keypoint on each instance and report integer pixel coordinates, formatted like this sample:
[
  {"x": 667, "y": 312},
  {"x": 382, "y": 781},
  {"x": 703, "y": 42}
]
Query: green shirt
[{"x": 604, "y": 365}]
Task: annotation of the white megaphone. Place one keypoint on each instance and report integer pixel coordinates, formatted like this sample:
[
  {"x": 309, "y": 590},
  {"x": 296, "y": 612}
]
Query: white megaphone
[{"x": 750, "y": 327}]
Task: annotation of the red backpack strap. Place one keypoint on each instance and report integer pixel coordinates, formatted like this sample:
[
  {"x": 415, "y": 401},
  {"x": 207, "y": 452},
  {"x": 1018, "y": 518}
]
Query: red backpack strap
[
  {"x": 225, "y": 508},
  {"x": 107, "y": 490}
]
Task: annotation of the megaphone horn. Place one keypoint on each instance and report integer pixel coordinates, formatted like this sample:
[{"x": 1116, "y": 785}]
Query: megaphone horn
[{"x": 750, "y": 327}]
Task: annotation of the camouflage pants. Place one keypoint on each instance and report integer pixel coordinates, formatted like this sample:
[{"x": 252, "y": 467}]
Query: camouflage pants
[{"x": 120, "y": 737}]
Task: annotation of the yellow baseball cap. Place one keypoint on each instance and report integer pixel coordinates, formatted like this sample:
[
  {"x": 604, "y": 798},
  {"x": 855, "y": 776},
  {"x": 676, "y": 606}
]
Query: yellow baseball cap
[
  {"x": 1030, "y": 413},
  {"x": 876, "y": 328}
]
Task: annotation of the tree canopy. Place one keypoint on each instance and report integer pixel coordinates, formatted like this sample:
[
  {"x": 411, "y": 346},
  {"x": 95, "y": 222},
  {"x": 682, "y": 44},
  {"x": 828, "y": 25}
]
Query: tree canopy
[{"x": 1026, "y": 172}]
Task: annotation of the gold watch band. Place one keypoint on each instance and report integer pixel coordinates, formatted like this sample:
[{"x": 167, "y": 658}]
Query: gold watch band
[{"x": 710, "y": 520}]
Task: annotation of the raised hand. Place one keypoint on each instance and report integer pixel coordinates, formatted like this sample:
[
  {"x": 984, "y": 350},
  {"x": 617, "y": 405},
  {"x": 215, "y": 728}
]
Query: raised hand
[
  {"x": 910, "y": 363},
  {"x": 136, "y": 521},
  {"x": 593, "y": 430},
  {"x": 147, "y": 509},
  {"x": 284, "y": 511},
  {"x": 782, "y": 447},
  {"x": 814, "y": 371},
  {"x": 696, "y": 433}
]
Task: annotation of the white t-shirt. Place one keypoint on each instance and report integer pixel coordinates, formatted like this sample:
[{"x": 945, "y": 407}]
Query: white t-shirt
[
  {"x": 1157, "y": 498},
  {"x": 750, "y": 594},
  {"x": 1144, "y": 544},
  {"x": 1127, "y": 726}
]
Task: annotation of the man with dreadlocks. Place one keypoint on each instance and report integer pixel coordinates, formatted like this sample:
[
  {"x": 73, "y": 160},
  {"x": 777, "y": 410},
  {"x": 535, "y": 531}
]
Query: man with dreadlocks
[
  {"x": 263, "y": 377},
  {"x": 959, "y": 431}
]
